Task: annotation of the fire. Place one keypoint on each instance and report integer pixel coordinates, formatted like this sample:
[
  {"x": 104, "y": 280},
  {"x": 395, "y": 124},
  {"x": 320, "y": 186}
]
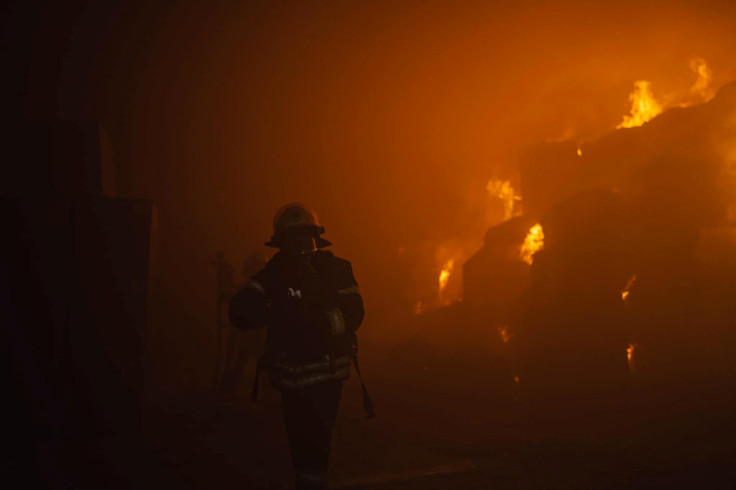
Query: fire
[
  {"x": 701, "y": 87},
  {"x": 445, "y": 274},
  {"x": 504, "y": 332},
  {"x": 644, "y": 106},
  {"x": 447, "y": 266},
  {"x": 533, "y": 243},
  {"x": 630, "y": 355},
  {"x": 580, "y": 151},
  {"x": 627, "y": 289},
  {"x": 418, "y": 308},
  {"x": 503, "y": 190}
]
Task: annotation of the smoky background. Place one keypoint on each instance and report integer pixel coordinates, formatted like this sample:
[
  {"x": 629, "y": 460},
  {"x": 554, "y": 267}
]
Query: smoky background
[
  {"x": 548, "y": 271},
  {"x": 387, "y": 118}
]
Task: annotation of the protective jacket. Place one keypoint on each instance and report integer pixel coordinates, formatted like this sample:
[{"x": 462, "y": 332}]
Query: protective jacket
[{"x": 312, "y": 306}]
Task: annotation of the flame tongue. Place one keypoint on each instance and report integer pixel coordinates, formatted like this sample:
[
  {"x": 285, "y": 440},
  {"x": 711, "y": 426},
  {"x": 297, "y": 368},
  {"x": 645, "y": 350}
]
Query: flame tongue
[
  {"x": 627, "y": 290},
  {"x": 503, "y": 190},
  {"x": 445, "y": 274},
  {"x": 533, "y": 243},
  {"x": 644, "y": 106},
  {"x": 630, "y": 356}
]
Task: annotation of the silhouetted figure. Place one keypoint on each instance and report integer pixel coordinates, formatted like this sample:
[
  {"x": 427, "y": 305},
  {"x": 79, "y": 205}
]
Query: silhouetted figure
[{"x": 310, "y": 302}]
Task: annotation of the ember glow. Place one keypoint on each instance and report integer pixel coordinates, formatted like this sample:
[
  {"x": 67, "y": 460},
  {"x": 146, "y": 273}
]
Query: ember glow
[
  {"x": 533, "y": 243},
  {"x": 627, "y": 289},
  {"x": 445, "y": 275},
  {"x": 446, "y": 287},
  {"x": 644, "y": 106},
  {"x": 504, "y": 333},
  {"x": 630, "y": 355},
  {"x": 418, "y": 308},
  {"x": 503, "y": 190}
]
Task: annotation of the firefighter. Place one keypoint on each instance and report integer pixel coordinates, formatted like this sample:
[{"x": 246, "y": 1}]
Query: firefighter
[{"x": 310, "y": 302}]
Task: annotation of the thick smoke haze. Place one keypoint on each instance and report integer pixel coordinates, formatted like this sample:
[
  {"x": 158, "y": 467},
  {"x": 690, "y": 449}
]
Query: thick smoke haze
[{"x": 388, "y": 118}]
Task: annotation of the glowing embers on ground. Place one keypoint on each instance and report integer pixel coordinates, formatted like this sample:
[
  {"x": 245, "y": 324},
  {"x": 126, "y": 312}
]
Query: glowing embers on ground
[
  {"x": 644, "y": 106},
  {"x": 533, "y": 243}
]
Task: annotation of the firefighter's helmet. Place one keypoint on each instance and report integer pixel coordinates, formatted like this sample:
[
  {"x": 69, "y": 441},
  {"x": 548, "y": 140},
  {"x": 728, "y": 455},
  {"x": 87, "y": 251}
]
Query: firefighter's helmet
[{"x": 296, "y": 219}]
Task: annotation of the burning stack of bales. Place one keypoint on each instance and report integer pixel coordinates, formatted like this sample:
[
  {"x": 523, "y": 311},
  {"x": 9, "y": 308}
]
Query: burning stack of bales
[
  {"x": 633, "y": 272},
  {"x": 628, "y": 213}
]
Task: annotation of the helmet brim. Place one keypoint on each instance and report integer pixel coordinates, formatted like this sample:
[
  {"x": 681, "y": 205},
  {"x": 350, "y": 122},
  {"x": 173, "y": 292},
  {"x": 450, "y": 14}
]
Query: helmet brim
[{"x": 319, "y": 242}]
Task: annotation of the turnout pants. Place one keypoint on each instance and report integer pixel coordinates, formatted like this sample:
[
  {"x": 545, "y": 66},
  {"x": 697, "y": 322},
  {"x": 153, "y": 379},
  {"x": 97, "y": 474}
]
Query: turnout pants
[{"x": 309, "y": 414}]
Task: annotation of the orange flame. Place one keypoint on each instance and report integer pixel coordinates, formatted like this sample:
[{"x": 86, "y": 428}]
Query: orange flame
[
  {"x": 445, "y": 274},
  {"x": 630, "y": 355},
  {"x": 533, "y": 243},
  {"x": 644, "y": 106},
  {"x": 627, "y": 290},
  {"x": 503, "y": 190},
  {"x": 504, "y": 332}
]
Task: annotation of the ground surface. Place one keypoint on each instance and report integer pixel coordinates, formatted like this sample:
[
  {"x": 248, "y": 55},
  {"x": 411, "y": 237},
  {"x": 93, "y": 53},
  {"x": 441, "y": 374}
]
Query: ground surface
[{"x": 424, "y": 439}]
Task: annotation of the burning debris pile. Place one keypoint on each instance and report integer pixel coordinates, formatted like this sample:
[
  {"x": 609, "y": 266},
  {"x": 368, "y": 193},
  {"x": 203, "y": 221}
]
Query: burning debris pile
[
  {"x": 669, "y": 181},
  {"x": 626, "y": 268},
  {"x": 572, "y": 334}
]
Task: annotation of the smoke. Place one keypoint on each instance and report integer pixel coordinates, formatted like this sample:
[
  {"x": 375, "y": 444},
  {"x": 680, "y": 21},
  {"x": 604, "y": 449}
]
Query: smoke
[
  {"x": 701, "y": 87},
  {"x": 388, "y": 118}
]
